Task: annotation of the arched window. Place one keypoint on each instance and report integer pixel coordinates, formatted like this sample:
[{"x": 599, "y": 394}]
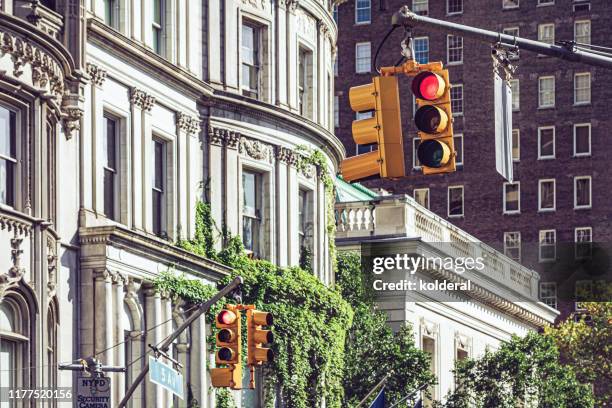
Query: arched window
[
  {"x": 52, "y": 345},
  {"x": 14, "y": 338}
]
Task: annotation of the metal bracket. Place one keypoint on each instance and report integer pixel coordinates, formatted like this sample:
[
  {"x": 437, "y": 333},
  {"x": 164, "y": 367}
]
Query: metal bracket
[
  {"x": 500, "y": 53},
  {"x": 407, "y": 45},
  {"x": 162, "y": 353}
]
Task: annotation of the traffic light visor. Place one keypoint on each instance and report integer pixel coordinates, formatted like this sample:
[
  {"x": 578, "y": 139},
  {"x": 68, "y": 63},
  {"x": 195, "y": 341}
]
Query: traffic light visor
[
  {"x": 431, "y": 119},
  {"x": 428, "y": 86},
  {"x": 226, "y": 317},
  {"x": 433, "y": 153},
  {"x": 262, "y": 318}
]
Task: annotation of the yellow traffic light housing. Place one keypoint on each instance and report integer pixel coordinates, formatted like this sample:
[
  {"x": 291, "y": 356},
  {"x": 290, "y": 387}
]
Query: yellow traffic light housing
[
  {"x": 228, "y": 340},
  {"x": 434, "y": 120},
  {"x": 384, "y": 128},
  {"x": 257, "y": 337}
]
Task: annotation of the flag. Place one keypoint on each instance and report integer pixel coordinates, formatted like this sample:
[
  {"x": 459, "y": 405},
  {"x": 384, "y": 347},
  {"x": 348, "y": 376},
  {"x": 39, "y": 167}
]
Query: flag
[{"x": 379, "y": 401}]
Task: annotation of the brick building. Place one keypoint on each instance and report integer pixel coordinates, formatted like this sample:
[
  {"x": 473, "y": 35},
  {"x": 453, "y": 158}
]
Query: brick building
[{"x": 561, "y": 122}]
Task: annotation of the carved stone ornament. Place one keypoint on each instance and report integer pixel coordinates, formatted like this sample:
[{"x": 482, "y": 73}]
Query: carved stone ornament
[
  {"x": 216, "y": 136},
  {"x": 256, "y": 149},
  {"x": 232, "y": 139},
  {"x": 142, "y": 99},
  {"x": 308, "y": 170},
  {"x": 284, "y": 155},
  {"x": 188, "y": 123},
  {"x": 97, "y": 74},
  {"x": 15, "y": 272},
  {"x": 428, "y": 328},
  {"x": 291, "y": 5},
  {"x": 71, "y": 120},
  {"x": 256, "y": 4},
  {"x": 51, "y": 266}
]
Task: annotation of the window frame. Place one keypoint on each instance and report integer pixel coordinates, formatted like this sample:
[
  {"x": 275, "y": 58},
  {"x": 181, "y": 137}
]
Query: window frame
[
  {"x": 426, "y": 38},
  {"x": 590, "y": 204},
  {"x": 257, "y": 65},
  {"x": 14, "y": 157},
  {"x": 258, "y": 213},
  {"x": 554, "y": 137},
  {"x": 448, "y": 50},
  {"x": 541, "y": 92},
  {"x": 163, "y": 191},
  {"x": 453, "y": 13},
  {"x": 505, "y": 202},
  {"x": 544, "y": 299},
  {"x": 519, "y": 247},
  {"x": 542, "y": 3},
  {"x": 419, "y": 12},
  {"x": 505, "y": 7},
  {"x": 117, "y": 171},
  {"x": 575, "y": 126},
  {"x": 448, "y": 195},
  {"x": 576, "y": 242},
  {"x": 582, "y": 74},
  {"x": 541, "y": 28},
  {"x": 159, "y": 29},
  {"x": 454, "y": 112},
  {"x": 576, "y": 23},
  {"x": 518, "y": 94},
  {"x": 369, "y": 8},
  {"x": 540, "y": 246},
  {"x": 518, "y": 148},
  {"x": 554, "y": 202},
  {"x": 415, "y": 158},
  {"x": 306, "y": 90},
  {"x": 357, "y": 58},
  {"x": 459, "y": 154},
  {"x": 428, "y": 196}
]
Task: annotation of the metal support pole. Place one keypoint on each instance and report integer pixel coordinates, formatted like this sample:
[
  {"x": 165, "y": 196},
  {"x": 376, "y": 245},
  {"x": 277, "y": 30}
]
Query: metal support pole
[
  {"x": 195, "y": 315},
  {"x": 405, "y": 17}
]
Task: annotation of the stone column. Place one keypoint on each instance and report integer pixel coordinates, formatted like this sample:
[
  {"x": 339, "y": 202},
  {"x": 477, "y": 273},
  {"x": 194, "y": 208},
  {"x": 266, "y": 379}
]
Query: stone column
[
  {"x": 233, "y": 183},
  {"x": 231, "y": 45},
  {"x": 98, "y": 76},
  {"x": 216, "y": 139},
  {"x": 291, "y": 46},
  {"x": 281, "y": 53},
  {"x": 153, "y": 393},
  {"x": 119, "y": 281},
  {"x": 283, "y": 158},
  {"x": 199, "y": 375},
  {"x": 186, "y": 147},
  {"x": 293, "y": 250},
  {"x": 103, "y": 315}
]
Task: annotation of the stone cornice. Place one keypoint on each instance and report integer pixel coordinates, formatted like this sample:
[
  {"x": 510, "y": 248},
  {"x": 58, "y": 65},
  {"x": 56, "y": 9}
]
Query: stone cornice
[{"x": 150, "y": 246}]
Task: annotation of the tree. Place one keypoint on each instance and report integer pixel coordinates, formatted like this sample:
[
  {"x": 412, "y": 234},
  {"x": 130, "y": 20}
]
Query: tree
[
  {"x": 585, "y": 342},
  {"x": 524, "y": 372}
]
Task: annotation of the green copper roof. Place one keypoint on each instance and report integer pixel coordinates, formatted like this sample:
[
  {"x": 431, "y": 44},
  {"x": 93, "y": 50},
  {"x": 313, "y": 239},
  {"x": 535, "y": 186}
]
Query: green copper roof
[{"x": 346, "y": 192}]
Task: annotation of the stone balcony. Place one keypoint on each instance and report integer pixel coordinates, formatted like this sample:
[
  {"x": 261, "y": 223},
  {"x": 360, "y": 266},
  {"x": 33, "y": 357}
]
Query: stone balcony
[{"x": 393, "y": 217}]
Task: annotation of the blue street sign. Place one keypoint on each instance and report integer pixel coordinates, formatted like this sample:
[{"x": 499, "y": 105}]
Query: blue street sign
[{"x": 165, "y": 376}]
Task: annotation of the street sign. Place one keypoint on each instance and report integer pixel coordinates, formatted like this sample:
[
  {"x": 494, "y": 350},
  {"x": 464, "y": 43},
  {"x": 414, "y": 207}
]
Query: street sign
[
  {"x": 165, "y": 376},
  {"x": 503, "y": 126},
  {"x": 93, "y": 392}
]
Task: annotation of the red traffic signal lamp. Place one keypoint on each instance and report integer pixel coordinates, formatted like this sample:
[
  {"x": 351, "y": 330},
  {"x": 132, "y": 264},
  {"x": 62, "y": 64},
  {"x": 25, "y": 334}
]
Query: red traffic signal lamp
[
  {"x": 257, "y": 338},
  {"x": 228, "y": 341},
  {"x": 433, "y": 119},
  {"x": 384, "y": 128}
]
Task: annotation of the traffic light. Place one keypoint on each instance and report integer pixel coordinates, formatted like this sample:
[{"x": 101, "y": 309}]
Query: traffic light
[
  {"x": 433, "y": 119},
  {"x": 384, "y": 128},
  {"x": 228, "y": 353},
  {"x": 257, "y": 337}
]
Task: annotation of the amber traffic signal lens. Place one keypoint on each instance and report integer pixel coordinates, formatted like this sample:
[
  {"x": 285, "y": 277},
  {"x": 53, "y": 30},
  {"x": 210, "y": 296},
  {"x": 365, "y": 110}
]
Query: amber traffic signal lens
[
  {"x": 225, "y": 354},
  {"x": 226, "y": 317},
  {"x": 428, "y": 86},
  {"x": 225, "y": 335},
  {"x": 430, "y": 119},
  {"x": 432, "y": 153}
]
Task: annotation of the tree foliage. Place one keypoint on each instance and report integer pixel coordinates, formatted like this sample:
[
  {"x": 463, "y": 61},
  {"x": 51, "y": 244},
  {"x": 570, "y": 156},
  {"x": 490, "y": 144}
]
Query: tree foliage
[
  {"x": 585, "y": 342},
  {"x": 523, "y": 372}
]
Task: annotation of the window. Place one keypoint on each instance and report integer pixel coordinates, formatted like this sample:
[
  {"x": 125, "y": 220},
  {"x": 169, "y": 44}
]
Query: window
[
  {"x": 582, "y": 88},
  {"x": 454, "y": 49},
  {"x": 546, "y": 142},
  {"x": 512, "y": 198},
  {"x": 111, "y": 167},
  {"x": 456, "y": 94},
  {"x": 548, "y": 294},
  {"x": 336, "y": 65},
  {"x": 251, "y": 211},
  {"x": 364, "y": 148},
  {"x": 507, "y": 4},
  {"x": 582, "y": 192},
  {"x": 512, "y": 245},
  {"x": 546, "y": 92},
  {"x": 159, "y": 9},
  {"x": 336, "y": 111},
  {"x": 545, "y": 2},
  {"x": 421, "y": 50},
  {"x": 305, "y": 104},
  {"x": 428, "y": 345},
  {"x": 582, "y": 32},
  {"x": 8, "y": 155},
  {"x": 546, "y": 196},
  {"x": 421, "y": 196},
  {"x": 159, "y": 188},
  {"x": 516, "y": 94},
  {"x": 14, "y": 326},
  {"x": 546, "y": 33},
  {"x": 111, "y": 13},
  {"x": 335, "y": 12},
  {"x": 420, "y": 7},
  {"x": 454, "y": 6},
  {"x": 516, "y": 145},
  {"x": 362, "y": 57},
  {"x": 461, "y": 353},
  {"x": 305, "y": 218},
  {"x": 582, "y": 139},
  {"x": 548, "y": 245},
  {"x": 513, "y": 31},
  {"x": 583, "y": 237},
  {"x": 51, "y": 346},
  {"x": 363, "y": 11},
  {"x": 458, "y": 141},
  {"x": 250, "y": 55},
  {"x": 415, "y": 158},
  {"x": 455, "y": 201}
]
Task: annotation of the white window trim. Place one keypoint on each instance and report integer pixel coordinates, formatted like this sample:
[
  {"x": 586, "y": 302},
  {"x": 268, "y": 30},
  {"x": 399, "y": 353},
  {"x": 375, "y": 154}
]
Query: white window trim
[
  {"x": 425, "y": 1},
  {"x": 462, "y": 99},
  {"x": 556, "y": 296},
  {"x": 554, "y": 207},
  {"x": 422, "y": 38},
  {"x": 518, "y": 87},
  {"x": 547, "y": 3},
  {"x": 428, "y": 195},
  {"x": 459, "y": 163},
  {"x": 583, "y": 207},
  {"x": 462, "y": 202},
  {"x": 356, "y": 64},
  {"x": 518, "y": 210},
  {"x": 518, "y": 159},
  {"x": 540, "y": 91},
  {"x": 414, "y": 153},
  {"x": 576, "y": 125},
  {"x": 580, "y": 22},
  {"x": 540, "y": 259},
  {"x": 504, "y": 7},
  {"x": 580, "y": 74},
  {"x": 554, "y": 153},
  {"x": 590, "y": 229},
  {"x": 553, "y": 32},
  {"x": 454, "y": 13},
  {"x": 448, "y": 62},
  {"x": 363, "y": 22},
  {"x": 519, "y": 244}
]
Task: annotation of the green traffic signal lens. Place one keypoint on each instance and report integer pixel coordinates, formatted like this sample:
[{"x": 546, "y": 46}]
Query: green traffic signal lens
[
  {"x": 432, "y": 153},
  {"x": 225, "y": 354},
  {"x": 430, "y": 119}
]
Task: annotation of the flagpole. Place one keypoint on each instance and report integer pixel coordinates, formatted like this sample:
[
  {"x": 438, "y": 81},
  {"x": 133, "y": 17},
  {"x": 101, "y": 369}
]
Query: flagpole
[
  {"x": 409, "y": 395},
  {"x": 381, "y": 382}
]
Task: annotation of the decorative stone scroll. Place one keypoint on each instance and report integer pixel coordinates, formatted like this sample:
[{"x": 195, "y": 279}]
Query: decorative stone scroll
[
  {"x": 97, "y": 74},
  {"x": 255, "y": 149},
  {"x": 15, "y": 272},
  {"x": 188, "y": 123},
  {"x": 51, "y": 266},
  {"x": 291, "y": 5},
  {"x": 142, "y": 99}
]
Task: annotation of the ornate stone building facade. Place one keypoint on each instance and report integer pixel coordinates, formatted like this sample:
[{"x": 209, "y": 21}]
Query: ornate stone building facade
[{"x": 116, "y": 117}]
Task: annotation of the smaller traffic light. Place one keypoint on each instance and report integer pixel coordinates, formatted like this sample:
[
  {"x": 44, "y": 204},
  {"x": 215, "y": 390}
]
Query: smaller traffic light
[
  {"x": 383, "y": 128},
  {"x": 228, "y": 341},
  {"x": 433, "y": 119},
  {"x": 257, "y": 337}
]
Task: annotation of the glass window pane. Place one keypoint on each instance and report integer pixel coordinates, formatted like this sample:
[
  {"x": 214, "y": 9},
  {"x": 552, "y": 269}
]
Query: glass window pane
[
  {"x": 7, "y": 179},
  {"x": 158, "y": 160},
  {"x": 583, "y": 140},
  {"x": 7, "y": 132}
]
